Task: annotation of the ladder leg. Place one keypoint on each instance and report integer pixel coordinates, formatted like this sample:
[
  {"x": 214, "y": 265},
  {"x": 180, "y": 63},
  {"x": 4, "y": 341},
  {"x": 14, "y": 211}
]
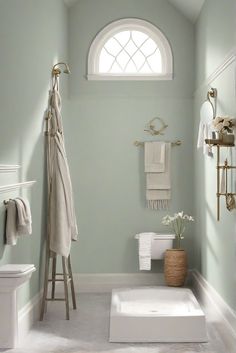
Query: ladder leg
[
  {"x": 45, "y": 289},
  {"x": 54, "y": 265},
  {"x": 71, "y": 283},
  {"x": 65, "y": 278}
]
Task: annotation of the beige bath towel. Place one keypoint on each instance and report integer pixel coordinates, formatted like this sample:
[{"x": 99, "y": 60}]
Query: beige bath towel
[
  {"x": 154, "y": 157},
  {"x": 158, "y": 184}
]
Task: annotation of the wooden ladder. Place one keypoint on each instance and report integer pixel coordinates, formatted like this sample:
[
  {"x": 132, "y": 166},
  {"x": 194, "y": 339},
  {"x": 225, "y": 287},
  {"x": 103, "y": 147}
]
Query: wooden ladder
[{"x": 66, "y": 277}]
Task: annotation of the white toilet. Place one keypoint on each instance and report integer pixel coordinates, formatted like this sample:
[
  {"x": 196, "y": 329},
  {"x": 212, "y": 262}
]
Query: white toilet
[
  {"x": 160, "y": 243},
  {"x": 12, "y": 277}
]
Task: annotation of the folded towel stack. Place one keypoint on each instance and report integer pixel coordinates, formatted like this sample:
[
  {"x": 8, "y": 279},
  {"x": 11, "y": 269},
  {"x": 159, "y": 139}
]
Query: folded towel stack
[
  {"x": 145, "y": 245},
  {"x": 18, "y": 220},
  {"x": 157, "y": 169}
]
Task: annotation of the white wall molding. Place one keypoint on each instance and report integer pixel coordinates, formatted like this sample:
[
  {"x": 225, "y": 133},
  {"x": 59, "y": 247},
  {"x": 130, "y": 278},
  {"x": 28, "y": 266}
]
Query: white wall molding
[
  {"x": 28, "y": 315},
  {"x": 227, "y": 61},
  {"x": 8, "y": 168},
  {"x": 217, "y": 309},
  {"x": 11, "y": 187}
]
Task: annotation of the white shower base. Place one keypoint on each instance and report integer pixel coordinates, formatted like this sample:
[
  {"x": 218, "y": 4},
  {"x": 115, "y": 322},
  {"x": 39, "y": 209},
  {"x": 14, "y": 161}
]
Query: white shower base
[{"x": 156, "y": 314}]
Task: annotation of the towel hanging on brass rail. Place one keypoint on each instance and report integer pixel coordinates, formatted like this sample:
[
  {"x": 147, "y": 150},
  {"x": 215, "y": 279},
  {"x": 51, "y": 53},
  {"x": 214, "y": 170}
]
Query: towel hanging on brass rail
[{"x": 173, "y": 143}]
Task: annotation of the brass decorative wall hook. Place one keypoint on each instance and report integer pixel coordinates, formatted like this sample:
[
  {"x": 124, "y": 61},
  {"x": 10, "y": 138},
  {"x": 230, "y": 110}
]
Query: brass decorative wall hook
[
  {"x": 56, "y": 71},
  {"x": 151, "y": 129},
  {"x": 212, "y": 93}
]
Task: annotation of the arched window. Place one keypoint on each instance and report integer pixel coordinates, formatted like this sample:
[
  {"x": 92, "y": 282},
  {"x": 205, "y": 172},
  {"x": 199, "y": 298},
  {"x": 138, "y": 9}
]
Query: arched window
[{"x": 130, "y": 49}]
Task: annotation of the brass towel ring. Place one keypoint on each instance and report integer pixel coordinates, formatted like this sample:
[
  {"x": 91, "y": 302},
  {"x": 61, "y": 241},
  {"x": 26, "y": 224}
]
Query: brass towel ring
[{"x": 151, "y": 127}]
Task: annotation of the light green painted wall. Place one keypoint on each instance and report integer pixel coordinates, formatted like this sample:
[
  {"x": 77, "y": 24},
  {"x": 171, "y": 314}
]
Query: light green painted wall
[
  {"x": 215, "y": 242},
  {"x": 105, "y": 118},
  {"x": 33, "y": 36},
  {"x": 215, "y": 36}
]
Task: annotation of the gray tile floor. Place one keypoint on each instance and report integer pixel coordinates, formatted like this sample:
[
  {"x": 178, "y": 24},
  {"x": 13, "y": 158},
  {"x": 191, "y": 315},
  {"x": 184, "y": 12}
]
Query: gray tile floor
[{"x": 87, "y": 331}]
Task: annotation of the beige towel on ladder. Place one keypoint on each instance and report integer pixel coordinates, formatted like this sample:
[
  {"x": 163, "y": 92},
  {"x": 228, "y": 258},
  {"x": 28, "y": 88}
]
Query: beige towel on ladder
[{"x": 158, "y": 184}]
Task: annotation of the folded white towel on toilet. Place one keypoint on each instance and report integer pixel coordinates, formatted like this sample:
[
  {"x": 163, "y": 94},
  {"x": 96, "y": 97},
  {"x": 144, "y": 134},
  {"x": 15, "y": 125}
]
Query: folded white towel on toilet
[{"x": 145, "y": 245}]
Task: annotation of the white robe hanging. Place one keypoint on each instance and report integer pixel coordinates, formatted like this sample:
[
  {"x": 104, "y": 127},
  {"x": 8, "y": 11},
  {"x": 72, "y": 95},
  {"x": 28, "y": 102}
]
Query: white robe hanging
[{"x": 62, "y": 223}]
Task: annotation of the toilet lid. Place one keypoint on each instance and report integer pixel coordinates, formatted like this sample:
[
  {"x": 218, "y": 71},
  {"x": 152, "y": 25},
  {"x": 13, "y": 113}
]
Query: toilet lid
[{"x": 15, "y": 268}]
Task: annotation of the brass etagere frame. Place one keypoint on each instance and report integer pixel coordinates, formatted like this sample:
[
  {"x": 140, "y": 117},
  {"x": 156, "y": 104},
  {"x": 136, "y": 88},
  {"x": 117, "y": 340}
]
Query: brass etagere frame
[{"x": 219, "y": 167}]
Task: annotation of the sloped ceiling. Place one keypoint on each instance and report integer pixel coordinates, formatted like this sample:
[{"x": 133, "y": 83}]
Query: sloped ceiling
[{"x": 189, "y": 8}]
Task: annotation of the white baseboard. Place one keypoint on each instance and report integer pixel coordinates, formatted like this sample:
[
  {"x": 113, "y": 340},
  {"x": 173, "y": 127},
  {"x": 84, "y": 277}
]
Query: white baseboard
[
  {"x": 218, "y": 311},
  {"x": 28, "y": 315},
  {"x": 105, "y": 282}
]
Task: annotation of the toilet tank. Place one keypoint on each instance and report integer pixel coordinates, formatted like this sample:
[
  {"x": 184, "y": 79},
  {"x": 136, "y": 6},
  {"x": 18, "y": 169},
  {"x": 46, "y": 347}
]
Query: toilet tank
[{"x": 160, "y": 243}]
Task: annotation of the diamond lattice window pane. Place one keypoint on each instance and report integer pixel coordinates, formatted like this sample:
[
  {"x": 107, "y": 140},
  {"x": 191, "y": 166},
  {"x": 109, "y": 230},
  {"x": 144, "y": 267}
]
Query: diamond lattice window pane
[
  {"x": 139, "y": 59},
  {"x": 149, "y": 47},
  {"x": 155, "y": 61},
  {"x": 145, "y": 69},
  {"x": 130, "y": 52},
  {"x": 113, "y": 46},
  {"x": 105, "y": 62},
  {"x": 123, "y": 59},
  {"x": 116, "y": 69},
  {"x": 139, "y": 37},
  {"x": 122, "y": 37},
  {"x": 131, "y": 68}
]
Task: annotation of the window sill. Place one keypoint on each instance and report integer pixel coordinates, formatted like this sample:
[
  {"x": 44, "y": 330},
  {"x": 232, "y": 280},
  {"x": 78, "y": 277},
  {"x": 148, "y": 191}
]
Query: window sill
[{"x": 95, "y": 77}]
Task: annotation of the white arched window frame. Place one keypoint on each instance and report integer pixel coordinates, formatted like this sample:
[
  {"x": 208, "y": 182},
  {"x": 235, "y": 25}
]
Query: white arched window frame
[{"x": 130, "y": 24}]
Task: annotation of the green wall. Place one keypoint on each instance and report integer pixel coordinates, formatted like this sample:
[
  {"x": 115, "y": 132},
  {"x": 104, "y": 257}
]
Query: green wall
[
  {"x": 102, "y": 119},
  {"x": 33, "y": 36},
  {"x": 215, "y": 241},
  {"x": 105, "y": 118}
]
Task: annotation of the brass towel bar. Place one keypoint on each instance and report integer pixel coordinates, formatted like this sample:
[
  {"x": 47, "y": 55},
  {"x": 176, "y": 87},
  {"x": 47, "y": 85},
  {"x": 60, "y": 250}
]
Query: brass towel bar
[{"x": 173, "y": 143}]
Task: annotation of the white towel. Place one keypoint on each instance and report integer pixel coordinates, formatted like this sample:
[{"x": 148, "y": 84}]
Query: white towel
[
  {"x": 154, "y": 152},
  {"x": 158, "y": 185},
  {"x": 11, "y": 230},
  {"x": 24, "y": 220},
  {"x": 145, "y": 244}
]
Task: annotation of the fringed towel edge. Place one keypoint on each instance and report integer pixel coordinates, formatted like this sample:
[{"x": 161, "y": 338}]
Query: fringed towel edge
[{"x": 158, "y": 204}]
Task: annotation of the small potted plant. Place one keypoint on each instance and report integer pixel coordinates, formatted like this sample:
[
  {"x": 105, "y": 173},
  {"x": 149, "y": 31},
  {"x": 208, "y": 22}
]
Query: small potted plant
[
  {"x": 223, "y": 126},
  {"x": 175, "y": 261}
]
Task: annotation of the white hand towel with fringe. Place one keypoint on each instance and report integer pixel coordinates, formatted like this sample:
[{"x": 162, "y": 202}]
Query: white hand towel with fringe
[
  {"x": 158, "y": 184},
  {"x": 145, "y": 244}
]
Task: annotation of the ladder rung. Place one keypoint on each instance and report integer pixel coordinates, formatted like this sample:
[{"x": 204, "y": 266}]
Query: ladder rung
[
  {"x": 56, "y": 299},
  {"x": 59, "y": 280}
]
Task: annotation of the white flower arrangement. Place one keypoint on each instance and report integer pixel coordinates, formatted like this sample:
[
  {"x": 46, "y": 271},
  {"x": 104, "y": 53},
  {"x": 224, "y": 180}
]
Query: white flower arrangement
[
  {"x": 177, "y": 224},
  {"x": 223, "y": 124}
]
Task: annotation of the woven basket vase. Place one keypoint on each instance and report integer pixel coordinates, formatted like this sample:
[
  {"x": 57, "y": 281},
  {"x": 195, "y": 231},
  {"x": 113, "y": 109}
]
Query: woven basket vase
[{"x": 175, "y": 267}]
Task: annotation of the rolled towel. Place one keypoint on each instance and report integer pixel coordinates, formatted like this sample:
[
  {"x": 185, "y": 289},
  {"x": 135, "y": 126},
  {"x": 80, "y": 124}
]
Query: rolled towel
[{"x": 145, "y": 244}]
